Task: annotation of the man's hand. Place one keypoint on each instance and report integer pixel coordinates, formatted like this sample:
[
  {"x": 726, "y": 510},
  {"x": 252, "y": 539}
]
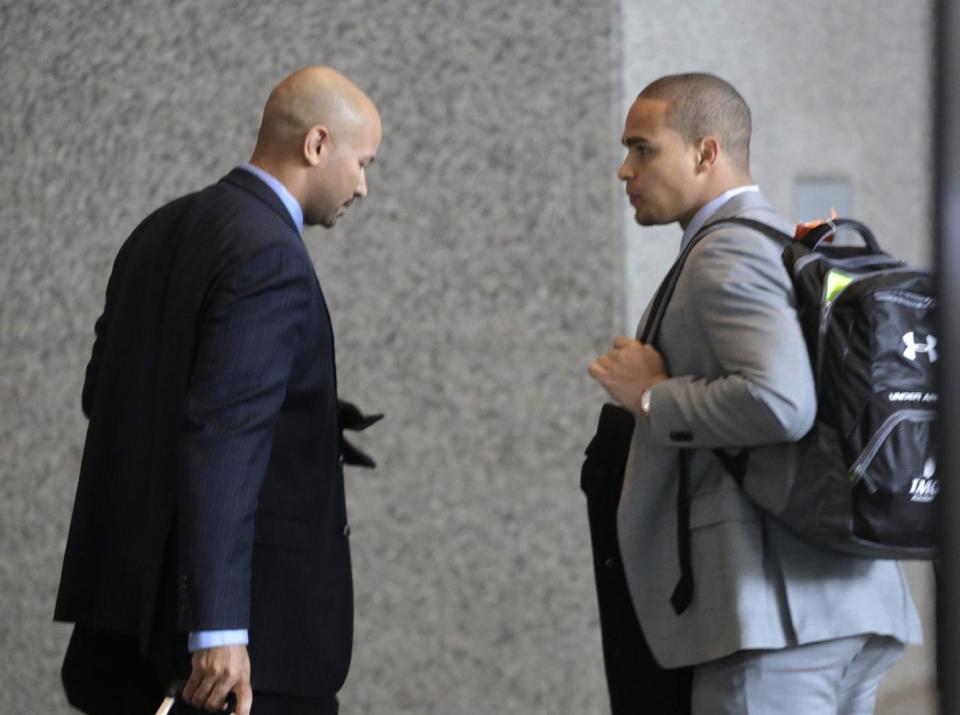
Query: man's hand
[
  {"x": 628, "y": 370},
  {"x": 216, "y": 672}
]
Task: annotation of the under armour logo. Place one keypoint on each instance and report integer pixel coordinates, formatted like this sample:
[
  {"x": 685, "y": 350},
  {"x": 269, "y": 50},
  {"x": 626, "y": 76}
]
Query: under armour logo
[{"x": 913, "y": 347}]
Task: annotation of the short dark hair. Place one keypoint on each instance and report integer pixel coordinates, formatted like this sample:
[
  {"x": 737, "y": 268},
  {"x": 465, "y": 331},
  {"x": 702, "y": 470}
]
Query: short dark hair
[{"x": 700, "y": 104}]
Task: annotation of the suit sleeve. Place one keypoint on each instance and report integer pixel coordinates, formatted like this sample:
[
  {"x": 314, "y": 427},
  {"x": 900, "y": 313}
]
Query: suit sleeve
[
  {"x": 249, "y": 333},
  {"x": 745, "y": 307}
]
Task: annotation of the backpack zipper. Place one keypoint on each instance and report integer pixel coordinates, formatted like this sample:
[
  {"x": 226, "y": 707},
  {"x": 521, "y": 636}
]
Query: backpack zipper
[
  {"x": 907, "y": 298},
  {"x": 858, "y": 471}
]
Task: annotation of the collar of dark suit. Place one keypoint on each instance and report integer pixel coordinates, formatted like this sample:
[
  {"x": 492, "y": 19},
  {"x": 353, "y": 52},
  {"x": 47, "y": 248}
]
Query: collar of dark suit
[{"x": 246, "y": 181}]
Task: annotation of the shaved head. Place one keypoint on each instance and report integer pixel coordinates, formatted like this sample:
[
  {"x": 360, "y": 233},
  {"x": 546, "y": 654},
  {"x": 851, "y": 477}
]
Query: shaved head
[
  {"x": 318, "y": 135},
  {"x": 306, "y": 98},
  {"x": 701, "y": 104},
  {"x": 688, "y": 141}
]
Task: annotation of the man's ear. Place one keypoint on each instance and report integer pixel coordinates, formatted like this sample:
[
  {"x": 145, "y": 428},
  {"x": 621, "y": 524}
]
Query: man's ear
[
  {"x": 316, "y": 144},
  {"x": 708, "y": 153}
]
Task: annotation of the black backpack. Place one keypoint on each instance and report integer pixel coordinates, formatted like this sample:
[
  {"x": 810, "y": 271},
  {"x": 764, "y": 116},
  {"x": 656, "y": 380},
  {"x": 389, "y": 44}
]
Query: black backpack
[{"x": 866, "y": 479}]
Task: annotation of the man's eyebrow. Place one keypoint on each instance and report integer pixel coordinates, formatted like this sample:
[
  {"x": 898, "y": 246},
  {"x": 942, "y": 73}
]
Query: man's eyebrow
[{"x": 633, "y": 141}]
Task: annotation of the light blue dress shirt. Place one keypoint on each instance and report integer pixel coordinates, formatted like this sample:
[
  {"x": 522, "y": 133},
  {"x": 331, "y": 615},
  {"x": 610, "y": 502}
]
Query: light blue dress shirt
[
  {"x": 292, "y": 205},
  {"x": 199, "y": 640}
]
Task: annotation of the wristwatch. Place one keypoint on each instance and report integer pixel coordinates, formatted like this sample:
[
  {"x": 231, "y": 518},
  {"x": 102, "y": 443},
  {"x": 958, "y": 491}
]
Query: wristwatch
[{"x": 645, "y": 402}]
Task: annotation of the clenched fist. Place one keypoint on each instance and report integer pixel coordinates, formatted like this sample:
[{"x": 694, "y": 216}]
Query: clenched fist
[{"x": 628, "y": 370}]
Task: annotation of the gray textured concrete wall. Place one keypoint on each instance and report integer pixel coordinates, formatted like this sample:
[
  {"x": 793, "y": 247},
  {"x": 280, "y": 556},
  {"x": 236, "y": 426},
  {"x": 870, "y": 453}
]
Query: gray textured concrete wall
[
  {"x": 468, "y": 294},
  {"x": 837, "y": 89}
]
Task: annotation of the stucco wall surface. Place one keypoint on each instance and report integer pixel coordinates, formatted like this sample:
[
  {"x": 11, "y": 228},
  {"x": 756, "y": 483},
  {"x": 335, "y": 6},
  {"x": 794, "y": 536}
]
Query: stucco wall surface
[{"x": 468, "y": 293}]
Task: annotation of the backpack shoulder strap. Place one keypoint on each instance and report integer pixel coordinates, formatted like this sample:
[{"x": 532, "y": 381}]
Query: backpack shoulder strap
[
  {"x": 816, "y": 234},
  {"x": 734, "y": 464},
  {"x": 759, "y": 226},
  {"x": 662, "y": 298}
]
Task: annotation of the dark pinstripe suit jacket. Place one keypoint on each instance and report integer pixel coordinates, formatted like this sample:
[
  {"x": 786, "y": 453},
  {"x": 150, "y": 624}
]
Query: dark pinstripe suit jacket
[{"x": 211, "y": 487}]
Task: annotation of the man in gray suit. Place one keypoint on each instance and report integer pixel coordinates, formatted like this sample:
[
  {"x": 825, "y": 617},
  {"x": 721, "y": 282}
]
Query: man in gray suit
[{"x": 773, "y": 625}]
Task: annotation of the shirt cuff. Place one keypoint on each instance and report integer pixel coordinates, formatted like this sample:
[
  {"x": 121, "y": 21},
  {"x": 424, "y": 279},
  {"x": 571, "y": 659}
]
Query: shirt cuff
[{"x": 200, "y": 640}]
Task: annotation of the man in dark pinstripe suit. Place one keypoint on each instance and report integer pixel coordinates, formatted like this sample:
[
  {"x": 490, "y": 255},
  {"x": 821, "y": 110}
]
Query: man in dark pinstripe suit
[{"x": 210, "y": 515}]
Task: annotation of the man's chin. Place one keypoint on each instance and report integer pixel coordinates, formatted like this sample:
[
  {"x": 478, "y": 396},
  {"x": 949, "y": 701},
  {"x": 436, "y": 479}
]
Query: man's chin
[
  {"x": 330, "y": 221},
  {"x": 646, "y": 219},
  {"x": 325, "y": 221}
]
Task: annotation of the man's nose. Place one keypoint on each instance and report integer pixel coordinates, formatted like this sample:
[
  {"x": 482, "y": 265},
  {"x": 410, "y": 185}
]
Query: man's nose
[
  {"x": 361, "y": 189},
  {"x": 623, "y": 173}
]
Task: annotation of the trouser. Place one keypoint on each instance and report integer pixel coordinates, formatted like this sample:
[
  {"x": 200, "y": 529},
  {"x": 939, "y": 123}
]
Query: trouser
[
  {"x": 835, "y": 677},
  {"x": 105, "y": 674}
]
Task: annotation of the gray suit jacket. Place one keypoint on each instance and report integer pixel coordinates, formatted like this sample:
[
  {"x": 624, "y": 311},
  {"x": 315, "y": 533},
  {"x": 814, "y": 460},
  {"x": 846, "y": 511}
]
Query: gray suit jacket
[{"x": 740, "y": 377}]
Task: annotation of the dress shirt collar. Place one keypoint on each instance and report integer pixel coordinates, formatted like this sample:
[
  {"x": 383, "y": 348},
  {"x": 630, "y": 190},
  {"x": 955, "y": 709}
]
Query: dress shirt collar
[
  {"x": 710, "y": 208},
  {"x": 291, "y": 204}
]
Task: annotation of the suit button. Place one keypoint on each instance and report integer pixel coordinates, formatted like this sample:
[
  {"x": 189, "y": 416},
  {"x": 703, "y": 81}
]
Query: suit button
[
  {"x": 346, "y": 530},
  {"x": 610, "y": 563},
  {"x": 340, "y": 460}
]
